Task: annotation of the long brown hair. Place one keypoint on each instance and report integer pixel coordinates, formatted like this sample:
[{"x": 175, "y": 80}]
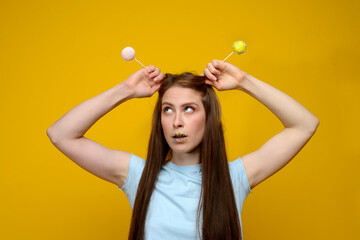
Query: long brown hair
[{"x": 217, "y": 202}]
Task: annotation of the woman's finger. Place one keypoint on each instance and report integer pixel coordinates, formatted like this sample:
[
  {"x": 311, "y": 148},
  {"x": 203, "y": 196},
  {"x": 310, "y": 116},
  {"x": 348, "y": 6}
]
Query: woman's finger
[
  {"x": 159, "y": 78},
  {"x": 150, "y": 68},
  {"x": 155, "y": 87},
  {"x": 216, "y": 85},
  {"x": 155, "y": 73},
  {"x": 209, "y": 82},
  {"x": 212, "y": 69},
  {"x": 218, "y": 65},
  {"x": 209, "y": 75}
]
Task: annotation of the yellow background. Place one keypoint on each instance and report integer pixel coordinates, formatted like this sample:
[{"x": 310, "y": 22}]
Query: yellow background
[{"x": 57, "y": 54}]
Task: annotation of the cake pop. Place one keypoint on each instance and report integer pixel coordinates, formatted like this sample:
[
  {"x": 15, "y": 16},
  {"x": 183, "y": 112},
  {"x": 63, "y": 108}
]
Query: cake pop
[
  {"x": 128, "y": 54},
  {"x": 239, "y": 47}
]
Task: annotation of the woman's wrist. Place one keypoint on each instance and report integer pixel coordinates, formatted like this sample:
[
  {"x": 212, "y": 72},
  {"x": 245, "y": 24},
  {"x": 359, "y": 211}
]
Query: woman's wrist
[
  {"x": 245, "y": 84},
  {"x": 121, "y": 93}
]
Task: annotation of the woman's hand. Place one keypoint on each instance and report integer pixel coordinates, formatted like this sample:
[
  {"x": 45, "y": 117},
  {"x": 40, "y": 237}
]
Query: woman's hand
[
  {"x": 224, "y": 76},
  {"x": 144, "y": 83}
]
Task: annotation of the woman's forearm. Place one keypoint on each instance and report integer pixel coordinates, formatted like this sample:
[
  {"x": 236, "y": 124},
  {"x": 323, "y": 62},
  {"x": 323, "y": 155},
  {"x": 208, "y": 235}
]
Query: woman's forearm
[
  {"x": 291, "y": 113},
  {"x": 78, "y": 120}
]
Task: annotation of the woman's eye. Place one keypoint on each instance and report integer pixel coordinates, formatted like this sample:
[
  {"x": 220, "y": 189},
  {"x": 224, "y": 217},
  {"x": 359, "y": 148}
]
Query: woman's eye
[
  {"x": 189, "y": 109},
  {"x": 167, "y": 109}
]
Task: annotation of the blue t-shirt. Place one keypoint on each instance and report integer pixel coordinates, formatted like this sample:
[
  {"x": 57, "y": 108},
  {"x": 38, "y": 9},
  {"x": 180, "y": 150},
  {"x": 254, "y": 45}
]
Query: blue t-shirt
[{"x": 173, "y": 206}]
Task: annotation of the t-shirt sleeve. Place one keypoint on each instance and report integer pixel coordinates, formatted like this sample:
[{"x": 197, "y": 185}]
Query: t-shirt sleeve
[
  {"x": 240, "y": 181},
  {"x": 136, "y": 167}
]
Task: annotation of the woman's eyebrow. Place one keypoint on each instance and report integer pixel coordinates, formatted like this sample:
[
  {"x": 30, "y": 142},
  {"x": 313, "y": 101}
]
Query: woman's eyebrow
[{"x": 182, "y": 105}]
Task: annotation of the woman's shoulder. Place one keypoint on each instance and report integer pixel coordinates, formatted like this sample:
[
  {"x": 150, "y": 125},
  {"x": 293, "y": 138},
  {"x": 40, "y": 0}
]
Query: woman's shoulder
[
  {"x": 136, "y": 162},
  {"x": 238, "y": 174},
  {"x": 136, "y": 167},
  {"x": 235, "y": 163}
]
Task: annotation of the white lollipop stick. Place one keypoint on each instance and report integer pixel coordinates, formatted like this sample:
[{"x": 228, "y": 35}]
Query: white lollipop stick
[
  {"x": 227, "y": 57},
  {"x": 141, "y": 63}
]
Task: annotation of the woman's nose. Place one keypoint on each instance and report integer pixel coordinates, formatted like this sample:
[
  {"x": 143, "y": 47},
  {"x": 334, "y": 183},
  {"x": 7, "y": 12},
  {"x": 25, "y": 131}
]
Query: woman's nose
[{"x": 178, "y": 122}]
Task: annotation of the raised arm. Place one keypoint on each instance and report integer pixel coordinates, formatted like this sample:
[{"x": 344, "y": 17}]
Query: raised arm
[
  {"x": 299, "y": 123},
  {"x": 67, "y": 133}
]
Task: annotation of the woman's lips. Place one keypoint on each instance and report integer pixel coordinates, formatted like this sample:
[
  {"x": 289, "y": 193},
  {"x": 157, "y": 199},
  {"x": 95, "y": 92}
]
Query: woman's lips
[
  {"x": 179, "y": 137},
  {"x": 179, "y": 140}
]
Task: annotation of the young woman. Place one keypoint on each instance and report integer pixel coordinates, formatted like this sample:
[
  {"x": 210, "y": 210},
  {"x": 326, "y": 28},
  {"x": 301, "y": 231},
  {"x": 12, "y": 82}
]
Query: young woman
[{"x": 186, "y": 188}]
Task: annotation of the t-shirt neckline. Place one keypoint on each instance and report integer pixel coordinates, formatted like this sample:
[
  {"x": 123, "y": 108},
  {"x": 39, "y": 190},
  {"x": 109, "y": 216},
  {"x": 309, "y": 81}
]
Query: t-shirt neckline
[{"x": 190, "y": 168}]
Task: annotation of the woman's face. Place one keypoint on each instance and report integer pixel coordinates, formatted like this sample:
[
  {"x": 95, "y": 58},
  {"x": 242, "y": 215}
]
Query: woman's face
[{"x": 183, "y": 119}]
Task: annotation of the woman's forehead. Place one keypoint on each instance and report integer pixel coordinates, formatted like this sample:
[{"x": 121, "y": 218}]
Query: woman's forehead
[{"x": 179, "y": 95}]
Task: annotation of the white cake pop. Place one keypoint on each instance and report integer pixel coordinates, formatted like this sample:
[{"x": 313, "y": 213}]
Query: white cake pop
[{"x": 128, "y": 54}]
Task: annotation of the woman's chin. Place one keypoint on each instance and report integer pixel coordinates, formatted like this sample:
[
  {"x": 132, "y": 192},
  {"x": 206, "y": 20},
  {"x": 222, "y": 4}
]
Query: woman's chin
[{"x": 184, "y": 149}]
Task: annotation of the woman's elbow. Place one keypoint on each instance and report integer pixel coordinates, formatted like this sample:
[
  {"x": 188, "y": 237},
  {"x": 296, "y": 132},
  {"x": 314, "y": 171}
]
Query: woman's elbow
[
  {"x": 313, "y": 125},
  {"x": 309, "y": 125},
  {"x": 51, "y": 135}
]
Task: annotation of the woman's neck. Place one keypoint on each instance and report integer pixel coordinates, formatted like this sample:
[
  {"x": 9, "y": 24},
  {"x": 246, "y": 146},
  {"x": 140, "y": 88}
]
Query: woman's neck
[{"x": 186, "y": 159}]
